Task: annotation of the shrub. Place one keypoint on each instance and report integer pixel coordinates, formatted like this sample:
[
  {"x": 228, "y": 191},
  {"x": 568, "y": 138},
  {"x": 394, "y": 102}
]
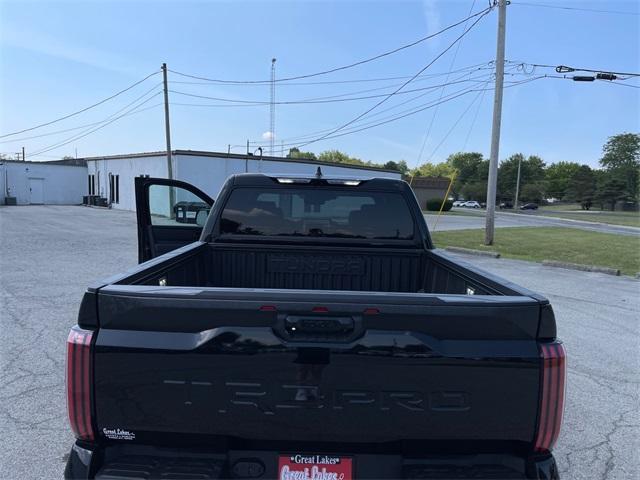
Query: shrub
[{"x": 433, "y": 205}]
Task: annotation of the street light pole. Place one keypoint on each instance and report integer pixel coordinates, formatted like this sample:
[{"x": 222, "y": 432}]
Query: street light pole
[
  {"x": 515, "y": 202},
  {"x": 495, "y": 130}
]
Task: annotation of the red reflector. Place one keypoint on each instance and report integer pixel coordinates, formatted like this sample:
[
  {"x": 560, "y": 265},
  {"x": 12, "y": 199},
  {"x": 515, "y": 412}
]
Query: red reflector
[
  {"x": 553, "y": 380},
  {"x": 268, "y": 308},
  {"x": 77, "y": 380},
  {"x": 320, "y": 310},
  {"x": 371, "y": 311}
]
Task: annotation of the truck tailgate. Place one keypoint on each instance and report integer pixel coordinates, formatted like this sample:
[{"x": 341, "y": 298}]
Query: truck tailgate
[{"x": 328, "y": 366}]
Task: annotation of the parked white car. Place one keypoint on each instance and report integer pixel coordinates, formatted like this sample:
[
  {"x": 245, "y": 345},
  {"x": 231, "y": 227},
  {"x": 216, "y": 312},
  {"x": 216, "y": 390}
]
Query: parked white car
[
  {"x": 471, "y": 204},
  {"x": 458, "y": 203}
]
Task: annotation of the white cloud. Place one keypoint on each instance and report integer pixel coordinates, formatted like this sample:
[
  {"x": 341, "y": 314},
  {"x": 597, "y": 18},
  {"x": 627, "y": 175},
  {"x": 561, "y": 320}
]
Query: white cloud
[
  {"x": 267, "y": 136},
  {"x": 57, "y": 46},
  {"x": 433, "y": 21}
]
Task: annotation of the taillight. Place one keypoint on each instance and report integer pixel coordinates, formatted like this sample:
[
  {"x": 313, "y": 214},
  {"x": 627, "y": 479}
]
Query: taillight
[
  {"x": 77, "y": 379},
  {"x": 554, "y": 373}
]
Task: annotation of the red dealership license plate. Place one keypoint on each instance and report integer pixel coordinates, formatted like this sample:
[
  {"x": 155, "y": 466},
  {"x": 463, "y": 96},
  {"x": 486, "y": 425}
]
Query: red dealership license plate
[{"x": 314, "y": 467}]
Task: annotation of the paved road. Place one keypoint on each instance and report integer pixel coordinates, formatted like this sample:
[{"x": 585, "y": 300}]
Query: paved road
[
  {"x": 49, "y": 254},
  {"x": 476, "y": 219}
]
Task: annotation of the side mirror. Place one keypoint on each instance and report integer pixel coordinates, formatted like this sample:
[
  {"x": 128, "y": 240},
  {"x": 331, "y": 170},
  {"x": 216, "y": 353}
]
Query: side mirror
[{"x": 201, "y": 217}]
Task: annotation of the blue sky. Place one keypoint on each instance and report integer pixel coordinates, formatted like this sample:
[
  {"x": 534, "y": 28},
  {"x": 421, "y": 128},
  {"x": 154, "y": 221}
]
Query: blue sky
[{"x": 57, "y": 57}]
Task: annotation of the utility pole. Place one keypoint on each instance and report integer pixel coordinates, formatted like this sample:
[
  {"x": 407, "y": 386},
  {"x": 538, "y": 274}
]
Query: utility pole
[
  {"x": 495, "y": 129},
  {"x": 515, "y": 202},
  {"x": 167, "y": 127},
  {"x": 23, "y": 157},
  {"x": 272, "y": 123}
]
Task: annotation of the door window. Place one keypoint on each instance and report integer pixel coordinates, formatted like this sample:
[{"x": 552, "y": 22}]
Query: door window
[{"x": 174, "y": 206}]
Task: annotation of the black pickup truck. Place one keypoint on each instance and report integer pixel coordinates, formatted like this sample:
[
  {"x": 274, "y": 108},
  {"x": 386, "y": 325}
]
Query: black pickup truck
[{"x": 307, "y": 329}]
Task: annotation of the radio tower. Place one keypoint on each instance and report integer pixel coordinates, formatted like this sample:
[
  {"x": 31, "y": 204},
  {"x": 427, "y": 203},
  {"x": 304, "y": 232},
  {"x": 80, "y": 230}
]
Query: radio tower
[{"x": 272, "y": 126}]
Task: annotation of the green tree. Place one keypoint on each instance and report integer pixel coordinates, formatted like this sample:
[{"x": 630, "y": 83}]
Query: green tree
[
  {"x": 610, "y": 189},
  {"x": 559, "y": 177},
  {"x": 469, "y": 168},
  {"x": 475, "y": 190},
  {"x": 582, "y": 187},
  {"x": 400, "y": 166},
  {"x": 296, "y": 153},
  {"x": 434, "y": 170},
  {"x": 532, "y": 192},
  {"x": 531, "y": 172},
  {"x": 337, "y": 156},
  {"x": 621, "y": 159}
]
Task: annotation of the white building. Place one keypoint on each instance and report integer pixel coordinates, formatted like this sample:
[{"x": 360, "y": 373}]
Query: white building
[
  {"x": 112, "y": 177},
  {"x": 43, "y": 183}
]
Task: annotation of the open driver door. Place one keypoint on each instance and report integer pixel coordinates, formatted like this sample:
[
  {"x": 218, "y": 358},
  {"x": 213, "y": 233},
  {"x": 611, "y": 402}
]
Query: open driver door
[{"x": 170, "y": 214}]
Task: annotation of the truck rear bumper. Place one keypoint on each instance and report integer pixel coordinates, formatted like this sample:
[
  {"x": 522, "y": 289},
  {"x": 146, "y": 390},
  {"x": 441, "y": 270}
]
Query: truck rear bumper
[{"x": 145, "y": 462}]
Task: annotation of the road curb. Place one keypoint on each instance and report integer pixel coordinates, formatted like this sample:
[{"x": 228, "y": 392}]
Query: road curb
[
  {"x": 469, "y": 251},
  {"x": 584, "y": 268}
]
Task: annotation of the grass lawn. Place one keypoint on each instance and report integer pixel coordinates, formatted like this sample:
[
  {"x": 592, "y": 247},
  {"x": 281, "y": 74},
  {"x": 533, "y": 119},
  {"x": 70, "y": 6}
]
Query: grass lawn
[
  {"x": 552, "y": 243},
  {"x": 614, "y": 218}
]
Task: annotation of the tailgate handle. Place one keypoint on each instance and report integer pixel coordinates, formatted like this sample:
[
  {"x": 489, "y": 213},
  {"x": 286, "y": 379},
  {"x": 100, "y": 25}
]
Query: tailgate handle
[{"x": 320, "y": 328}]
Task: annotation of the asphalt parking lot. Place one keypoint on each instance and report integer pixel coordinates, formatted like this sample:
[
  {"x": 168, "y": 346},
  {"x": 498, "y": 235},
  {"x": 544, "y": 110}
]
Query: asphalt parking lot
[{"x": 49, "y": 255}]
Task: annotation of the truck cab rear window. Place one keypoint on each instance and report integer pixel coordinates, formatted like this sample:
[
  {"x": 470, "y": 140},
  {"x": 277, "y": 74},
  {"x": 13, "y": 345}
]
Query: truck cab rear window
[{"x": 317, "y": 212}]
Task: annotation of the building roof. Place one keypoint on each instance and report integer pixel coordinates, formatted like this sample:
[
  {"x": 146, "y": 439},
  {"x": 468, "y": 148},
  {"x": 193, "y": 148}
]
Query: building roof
[
  {"x": 69, "y": 162},
  {"x": 199, "y": 153},
  {"x": 76, "y": 162}
]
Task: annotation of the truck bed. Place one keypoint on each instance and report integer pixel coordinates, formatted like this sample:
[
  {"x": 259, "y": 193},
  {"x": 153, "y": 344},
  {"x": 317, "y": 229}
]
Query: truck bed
[
  {"x": 208, "y": 345},
  {"x": 308, "y": 267}
]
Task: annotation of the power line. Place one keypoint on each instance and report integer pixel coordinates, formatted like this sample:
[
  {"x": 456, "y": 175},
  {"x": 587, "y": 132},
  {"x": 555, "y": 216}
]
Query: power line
[
  {"x": 455, "y": 124},
  {"x": 467, "y": 71},
  {"x": 481, "y": 13},
  {"x": 435, "y": 112},
  {"x": 610, "y": 82},
  {"x": 621, "y": 84},
  {"x": 82, "y": 110},
  {"x": 568, "y": 69},
  {"x": 331, "y": 99},
  {"x": 581, "y": 9},
  {"x": 413, "y": 112},
  {"x": 420, "y": 110},
  {"x": 108, "y": 121},
  {"x": 404, "y": 113},
  {"x": 331, "y": 82},
  {"x": 369, "y": 118},
  {"x": 78, "y": 137},
  {"x": 379, "y": 113},
  {"x": 80, "y": 126},
  {"x": 486, "y": 11},
  {"x": 473, "y": 122},
  {"x": 565, "y": 69},
  {"x": 217, "y": 105}
]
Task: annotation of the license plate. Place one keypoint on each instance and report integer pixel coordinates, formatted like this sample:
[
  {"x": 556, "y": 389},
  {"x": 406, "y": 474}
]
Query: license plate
[{"x": 314, "y": 467}]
